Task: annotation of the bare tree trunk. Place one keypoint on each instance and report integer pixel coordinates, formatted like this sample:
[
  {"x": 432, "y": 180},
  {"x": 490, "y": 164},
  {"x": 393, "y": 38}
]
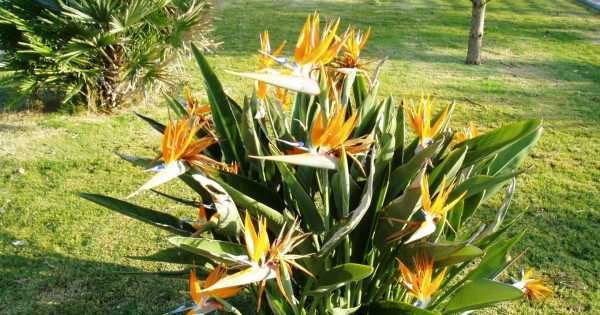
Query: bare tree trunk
[
  {"x": 111, "y": 95},
  {"x": 476, "y": 34}
]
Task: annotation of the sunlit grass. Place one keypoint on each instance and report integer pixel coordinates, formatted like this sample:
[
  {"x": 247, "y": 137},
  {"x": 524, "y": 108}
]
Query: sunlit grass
[{"x": 541, "y": 61}]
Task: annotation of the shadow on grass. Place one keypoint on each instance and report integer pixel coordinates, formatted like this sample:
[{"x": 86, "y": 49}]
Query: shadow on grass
[{"x": 50, "y": 283}]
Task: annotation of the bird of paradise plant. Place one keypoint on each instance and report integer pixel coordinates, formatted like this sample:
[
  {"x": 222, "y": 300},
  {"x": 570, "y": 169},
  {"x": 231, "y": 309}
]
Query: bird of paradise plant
[{"x": 354, "y": 192}]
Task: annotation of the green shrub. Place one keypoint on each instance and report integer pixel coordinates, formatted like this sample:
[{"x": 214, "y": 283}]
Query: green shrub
[
  {"x": 354, "y": 213},
  {"x": 96, "y": 51}
]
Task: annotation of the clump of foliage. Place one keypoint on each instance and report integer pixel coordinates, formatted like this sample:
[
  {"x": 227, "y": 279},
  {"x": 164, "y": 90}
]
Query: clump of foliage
[
  {"x": 322, "y": 199},
  {"x": 97, "y": 51}
]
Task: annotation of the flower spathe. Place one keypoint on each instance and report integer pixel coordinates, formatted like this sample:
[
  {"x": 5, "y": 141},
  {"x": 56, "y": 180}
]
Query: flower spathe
[{"x": 420, "y": 282}]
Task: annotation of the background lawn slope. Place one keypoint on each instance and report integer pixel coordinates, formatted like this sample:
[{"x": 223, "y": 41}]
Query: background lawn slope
[{"x": 542, "y": 60}]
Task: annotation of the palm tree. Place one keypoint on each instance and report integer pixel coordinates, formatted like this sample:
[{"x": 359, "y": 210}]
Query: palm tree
[{"x": 97, "y": 51}]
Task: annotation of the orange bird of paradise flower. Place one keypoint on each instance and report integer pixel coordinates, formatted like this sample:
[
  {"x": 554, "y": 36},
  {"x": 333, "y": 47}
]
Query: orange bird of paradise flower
[
  {"x": 194, "y": 108},
  {"x": 265, "y": 260},
  {"x": 207, "y": 302},
  {"x": 420, "y": 282},
  {"x": 328, "y": 139},
  {"x": 435, "y": 209},
  {"x": 464, "y": 135},
  {"x": 420, "y": 118},
  {"x": 314, "y": 48},
  {"x": 266, "y": 61},
  {"x": 180, "y": 150},
  {"x": 534, "y": 289},
  {"x": 353, "y": 46}
]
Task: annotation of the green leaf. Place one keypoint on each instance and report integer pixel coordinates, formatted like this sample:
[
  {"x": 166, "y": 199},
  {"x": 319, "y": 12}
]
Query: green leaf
[
  {"x": 400, "y": 134},
  {"x": 485, "y": 145},
  {"x": 357, "y": 215},
  {"x": 455, "y": 219},
  {"x": 138, "y": 161},
  {"x": 222, "y": 112},
  {"x": 221, "y": 251},
  {"x": 402, "y": 175},
  {"x": 396, "y": 308},
  {"x": 496, "y": 259},
  {"x": 398, "y": 210},
  {"x": 254, "y": 190},
  {"x": 255, "y": 207},
  {"x": 191, "y": 203},
  {"x": 444, "y": 253},
  {"x": 177, "y": 108},
  {"x": 277, "y": 304},
  {"x": 347, "y": 86},
  {"x": 481, "y": 293},
  {"x": 367, "y": 112},
  {"x": 480, "y": 183},
  {"x": 467, "y": 253},
  {"x": 449, "y": 167},
  {"x": 501, "y": 212},
  {"x": 386, "y": 133},
  {"x": 248, "y": 132},
  {"x": 162, "y": 220},
  {"x": 343, "y": 184},
  {"x": 340, "y": 275},
  {"x": 306, "y": 205},
  {"x": 173, "y": 255},
  {"x": 512, "y": 156},
  {"x": 153, "y": 123},
  {"x": 360, "y": 89},
  {"x": 284, "y": 282}
]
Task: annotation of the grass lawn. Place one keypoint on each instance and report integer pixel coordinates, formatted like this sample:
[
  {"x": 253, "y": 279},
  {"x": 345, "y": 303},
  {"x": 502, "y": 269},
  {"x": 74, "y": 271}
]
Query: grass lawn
[{"x": 542, "y": 60}]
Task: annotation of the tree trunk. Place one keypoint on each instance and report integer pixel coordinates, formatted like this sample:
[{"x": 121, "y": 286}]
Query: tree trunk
[
  {"x": 111, "y": 85},
  {"x": 476, "y": 34}
]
